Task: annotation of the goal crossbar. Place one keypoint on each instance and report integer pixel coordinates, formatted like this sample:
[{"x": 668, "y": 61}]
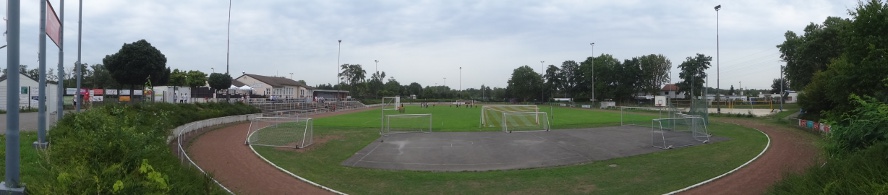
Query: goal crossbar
[
  {"x": 491, "y": 115},
  {"x": 406, "y": 123},
  {"x": 525, "y": 121},
  {"x": 280, "y": 132}
]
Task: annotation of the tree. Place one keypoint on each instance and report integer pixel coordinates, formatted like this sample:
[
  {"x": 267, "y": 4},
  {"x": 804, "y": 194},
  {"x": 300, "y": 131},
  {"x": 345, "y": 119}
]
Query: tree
[
  {"x": 102, "y": 78},
  {"x": 137, "y": 62},
  {"x": 693, "y": 74},
  {"x": 414, "y": 89},
  {"x": 776, "y": 84},
  {"x": 352, "y": 74},
  {"x": 177, "y": 78},
  {"x": 570, "y": 76},
  {"x": 219, "y": 81},
  {"x": 392, "y": 87},
  {"x": 605, "y": 79},
  {"x": 525, "y": 83},
  {"x": 196, "y": 79},
  {"x": 554, "y": 80},
  {"x": 654, "y": 72},
  {"x": 805, "y": 55},
  {"x": 731, "y": 91}
]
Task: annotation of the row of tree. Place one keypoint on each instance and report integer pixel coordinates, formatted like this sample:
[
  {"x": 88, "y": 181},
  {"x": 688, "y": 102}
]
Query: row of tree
[{"x": 838, "y": 58}]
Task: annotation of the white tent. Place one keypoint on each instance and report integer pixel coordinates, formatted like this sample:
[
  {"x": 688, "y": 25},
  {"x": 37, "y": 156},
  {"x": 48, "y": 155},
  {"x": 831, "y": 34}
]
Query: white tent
[{"x": 246, "y": 88}]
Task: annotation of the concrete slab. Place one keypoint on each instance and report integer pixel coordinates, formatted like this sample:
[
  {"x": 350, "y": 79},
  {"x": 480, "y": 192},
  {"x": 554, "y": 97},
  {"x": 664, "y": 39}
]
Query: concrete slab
[{"x": 483, "y": 151}]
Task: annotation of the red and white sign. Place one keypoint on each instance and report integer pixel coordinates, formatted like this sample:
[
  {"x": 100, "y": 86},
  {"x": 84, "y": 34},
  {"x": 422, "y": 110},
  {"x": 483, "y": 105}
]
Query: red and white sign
[{"x": 53, "y": 26}]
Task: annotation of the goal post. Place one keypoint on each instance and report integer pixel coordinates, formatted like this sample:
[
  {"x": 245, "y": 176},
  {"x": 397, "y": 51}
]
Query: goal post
[
  {"x": 491, "y": 115},
  {"x": 641, "y": 116},
  {"x": 391, "y": 103},
  {"x": 280, "y": 132},
  {"x": 668, "y": 133},
  {"x": 525, "y": 121},
  {"x": 407, "y": 123}
]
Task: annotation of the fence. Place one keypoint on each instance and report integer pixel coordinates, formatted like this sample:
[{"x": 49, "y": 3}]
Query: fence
[{"x": 809, "y": 124}]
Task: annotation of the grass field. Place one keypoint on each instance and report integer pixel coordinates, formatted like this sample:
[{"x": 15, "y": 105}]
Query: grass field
[{"x": 653, "y": 173}]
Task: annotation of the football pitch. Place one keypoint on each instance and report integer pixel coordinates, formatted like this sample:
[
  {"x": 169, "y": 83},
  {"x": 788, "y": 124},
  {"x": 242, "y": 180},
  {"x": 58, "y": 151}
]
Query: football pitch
[{"x": 338, "y": 138}]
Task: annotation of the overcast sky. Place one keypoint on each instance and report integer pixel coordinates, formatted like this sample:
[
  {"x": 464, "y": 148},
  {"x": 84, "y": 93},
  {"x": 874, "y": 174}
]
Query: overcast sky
[{"x": 428, "y": 41}]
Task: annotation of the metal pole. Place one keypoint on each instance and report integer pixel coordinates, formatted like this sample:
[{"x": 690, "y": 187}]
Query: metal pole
[
  {"x": 377, "y": 67},
  {"x": 228, "y": 49},
  {"x": 593, "y": 74},
  {"x": 542, "y": 72},
  {"x": 12, "y": 182},
  {"x": 338, "y": 54},
  {"x": 79, "y": 33},
  {"x": 62, "y": 61},
  {"x": 460, "y": 81},
  {"x": 41, "y": 100},
  {"x": 781, "y": 88},
  {"x": 717, "y": 64}
]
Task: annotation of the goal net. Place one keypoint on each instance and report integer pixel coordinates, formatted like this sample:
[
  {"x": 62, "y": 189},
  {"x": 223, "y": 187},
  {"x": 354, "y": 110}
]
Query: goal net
[
  {"x": 669, "y": 133},
  {"x": 391, "y": 103},
  {"x": 280, "y": 132},
  {"x": 525, "y": 121},
  {"x": 492, "y": 115},
  {"x": 407, "y": 123},
  {"x": 642, "y": 116}
]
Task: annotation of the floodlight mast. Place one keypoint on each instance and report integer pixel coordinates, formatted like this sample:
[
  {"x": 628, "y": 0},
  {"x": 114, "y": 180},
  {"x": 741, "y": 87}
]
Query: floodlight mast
[{"x": 717, "y": 63}]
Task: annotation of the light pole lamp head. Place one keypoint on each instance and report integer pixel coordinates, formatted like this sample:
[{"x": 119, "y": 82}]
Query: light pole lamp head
[
  {"x": 340, "y": 40},
  {"x": 592, "y": 44},
  {"x": 718, "y": 7}
]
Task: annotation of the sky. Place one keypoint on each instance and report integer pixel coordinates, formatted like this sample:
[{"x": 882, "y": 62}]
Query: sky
[{"x": 457, "y": 43}]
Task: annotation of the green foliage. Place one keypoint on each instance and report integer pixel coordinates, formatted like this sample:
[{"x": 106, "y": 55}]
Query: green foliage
[
  {"x": 859, "y": 129},
  {"x": 654, "y": 72},
  {"x": 809, "y": 53},
  {"x": 525, "y": 84},
  {"x": 859, "y": 173},
  {"x": 219, "y": 81},
  {"x": 693, "y": 74},
  {"x": 136, "y": 62},
  {"x": 122, "y": 149}
]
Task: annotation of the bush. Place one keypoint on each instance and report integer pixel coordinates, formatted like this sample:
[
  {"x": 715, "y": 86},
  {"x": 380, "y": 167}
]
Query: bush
[
  {"x": 864, "y": 126},
  {"x": 122, "y": 149},
  {"x": 861, "y": 173}
]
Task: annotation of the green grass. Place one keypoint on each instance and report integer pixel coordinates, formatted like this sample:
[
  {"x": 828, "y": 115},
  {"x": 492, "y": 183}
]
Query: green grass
[
  {"x": 31, "y": 165},
  {"x": 652, "y": 173}
]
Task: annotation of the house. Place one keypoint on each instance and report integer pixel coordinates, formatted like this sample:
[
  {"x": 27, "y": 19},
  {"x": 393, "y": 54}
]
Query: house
[
  {"x": 28, "y": 93},
  {"x": 274, "y": 87},
  {"x": 671, "y": 91}
]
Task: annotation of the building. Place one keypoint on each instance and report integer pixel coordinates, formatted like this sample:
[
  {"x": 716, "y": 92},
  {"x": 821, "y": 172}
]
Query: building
[
  {"x": 274, "y": 87},
  {"x": 671, "y": 92},
  {"x": 28, "y": 93}
]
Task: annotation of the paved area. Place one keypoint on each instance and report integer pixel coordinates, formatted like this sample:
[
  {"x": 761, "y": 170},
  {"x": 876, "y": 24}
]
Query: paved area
[
  {"x": 482, "y": 151},
  {"x": 27, "y": 121}
]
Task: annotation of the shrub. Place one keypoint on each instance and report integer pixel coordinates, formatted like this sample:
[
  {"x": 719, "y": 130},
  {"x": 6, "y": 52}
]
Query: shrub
[
  {"x": 864, "y": 126},
  {"x": 859, "y": 173},
  {"x": 122, "y": 149}
]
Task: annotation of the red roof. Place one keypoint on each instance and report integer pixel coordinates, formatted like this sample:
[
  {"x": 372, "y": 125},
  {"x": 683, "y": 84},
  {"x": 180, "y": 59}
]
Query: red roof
[{"x": 670, "y": 87}]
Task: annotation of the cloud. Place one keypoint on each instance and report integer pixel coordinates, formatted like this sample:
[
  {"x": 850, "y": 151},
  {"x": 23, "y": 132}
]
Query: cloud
[{"x": 426, "y": 41}]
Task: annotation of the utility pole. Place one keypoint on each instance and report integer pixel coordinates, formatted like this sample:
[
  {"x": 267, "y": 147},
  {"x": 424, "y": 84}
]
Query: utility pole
[
  {"x": 228, "y": 51},
  {"x": 12, "y": 181}
]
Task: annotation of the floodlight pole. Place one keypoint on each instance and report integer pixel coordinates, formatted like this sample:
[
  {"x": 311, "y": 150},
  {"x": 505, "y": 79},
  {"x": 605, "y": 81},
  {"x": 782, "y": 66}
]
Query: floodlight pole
[
  {"x": 377, "y": 68},
  {"x": 460, "y": 82},
  {"x": 717, "y": 63},
  {"x": 228, "y": 52},
  {"x": 593, "y": 74},
  {"x": 79, "y": 64},
  {"x": 338, "y": 54},
  {"x": 542, "y": 85}
]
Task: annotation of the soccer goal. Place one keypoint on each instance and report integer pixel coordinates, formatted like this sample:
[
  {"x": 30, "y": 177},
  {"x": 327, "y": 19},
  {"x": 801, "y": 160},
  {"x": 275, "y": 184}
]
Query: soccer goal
[
  {"x": 669, "y": 133},
  {"x": 525, "y": 121},
  {"x": 391, "y": 103},
  {"x": 492, "y": 115},
  {"x": 280, "y": 132},
  {"x": 641, "y": 116},
  {"x": 407, "y": 123}
]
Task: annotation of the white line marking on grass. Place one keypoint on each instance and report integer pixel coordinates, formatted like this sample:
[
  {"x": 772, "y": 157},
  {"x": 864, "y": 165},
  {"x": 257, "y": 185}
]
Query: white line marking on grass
[
  {"x": 729, "y": 172},
  {"x": 294, "y": 175}
]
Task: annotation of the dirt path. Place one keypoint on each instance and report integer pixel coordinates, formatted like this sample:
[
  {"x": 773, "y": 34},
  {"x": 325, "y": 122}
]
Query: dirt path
[
  {"x": 222, "y": 153},
  {"x": 791, "y": 150}
]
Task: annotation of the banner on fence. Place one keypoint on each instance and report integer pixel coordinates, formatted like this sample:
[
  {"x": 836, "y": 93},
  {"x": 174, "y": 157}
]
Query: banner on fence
[{"x": 822, "y": 127}]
